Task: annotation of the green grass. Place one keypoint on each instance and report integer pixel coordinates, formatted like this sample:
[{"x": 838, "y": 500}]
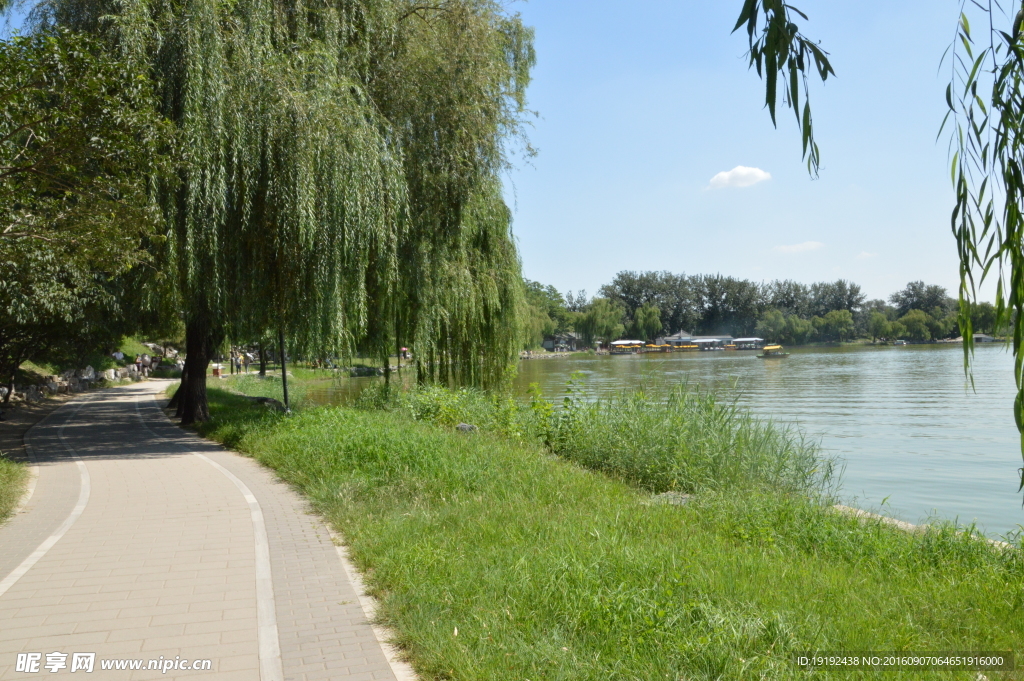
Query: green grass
[
  {"x": 548, "y": 570},
  {"x": 133, "y": 346},
  {"x": 13, "y": 476},
  {"x": 271, "y": 386},
  {"x": 658, "y": 439},
  {"x": 31, "y": 373}
]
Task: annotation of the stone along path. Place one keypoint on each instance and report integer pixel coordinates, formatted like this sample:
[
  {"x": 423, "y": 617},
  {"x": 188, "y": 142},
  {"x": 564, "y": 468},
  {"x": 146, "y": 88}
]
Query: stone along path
[{"x": 144, "y": 551}]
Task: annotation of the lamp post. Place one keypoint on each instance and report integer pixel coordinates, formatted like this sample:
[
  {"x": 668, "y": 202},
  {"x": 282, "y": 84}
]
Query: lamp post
[{"x": 284, "y": 368}]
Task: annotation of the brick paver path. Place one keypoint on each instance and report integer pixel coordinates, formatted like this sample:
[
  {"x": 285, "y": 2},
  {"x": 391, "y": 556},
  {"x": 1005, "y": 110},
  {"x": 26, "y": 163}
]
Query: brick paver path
[{"x": 142, "y": 542}]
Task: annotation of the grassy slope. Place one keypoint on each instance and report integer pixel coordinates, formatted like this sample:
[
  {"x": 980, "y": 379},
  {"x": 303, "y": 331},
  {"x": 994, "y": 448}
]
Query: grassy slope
[
  {"x": 549, "y": 571},
  {"x": 13, "y": 476}
]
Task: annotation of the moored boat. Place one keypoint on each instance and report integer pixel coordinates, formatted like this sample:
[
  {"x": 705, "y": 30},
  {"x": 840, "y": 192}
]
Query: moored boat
[{"x": 626, "y": 347}]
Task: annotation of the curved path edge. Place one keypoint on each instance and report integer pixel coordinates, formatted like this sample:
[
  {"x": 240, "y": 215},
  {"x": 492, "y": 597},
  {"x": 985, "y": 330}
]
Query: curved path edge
[
  {"x": 41, "y": 550},
  {"x": 266, "y": 609},
  {"x": 322, "y": 606}
]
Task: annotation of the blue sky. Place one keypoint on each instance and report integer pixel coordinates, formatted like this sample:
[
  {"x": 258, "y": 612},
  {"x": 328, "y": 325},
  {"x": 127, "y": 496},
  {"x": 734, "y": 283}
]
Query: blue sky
[{"x": 641, "y": 103}]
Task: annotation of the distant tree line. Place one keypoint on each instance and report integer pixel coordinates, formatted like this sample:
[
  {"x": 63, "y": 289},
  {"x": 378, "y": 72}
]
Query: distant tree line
[{"x": 644, "y": 305}]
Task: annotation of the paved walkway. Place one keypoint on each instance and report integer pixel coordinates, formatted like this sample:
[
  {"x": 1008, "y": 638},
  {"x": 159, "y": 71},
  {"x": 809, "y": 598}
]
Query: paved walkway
[{"x": 143, "y": 543}]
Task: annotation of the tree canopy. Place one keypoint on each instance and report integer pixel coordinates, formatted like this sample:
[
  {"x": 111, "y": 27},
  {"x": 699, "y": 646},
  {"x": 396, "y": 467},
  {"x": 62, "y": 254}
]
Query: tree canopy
[
  {"x": 324, "y": 144},
  {"x": 80, "y": 147}
]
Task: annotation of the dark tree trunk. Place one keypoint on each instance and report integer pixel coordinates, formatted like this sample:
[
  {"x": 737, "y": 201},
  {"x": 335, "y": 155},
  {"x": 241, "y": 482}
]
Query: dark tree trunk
[
  {"x": 284, "y": 368},
  {"x": 199, "y": 344},
  {"x": 10, "y": 387},
  {"x": 263, "y": 362}
]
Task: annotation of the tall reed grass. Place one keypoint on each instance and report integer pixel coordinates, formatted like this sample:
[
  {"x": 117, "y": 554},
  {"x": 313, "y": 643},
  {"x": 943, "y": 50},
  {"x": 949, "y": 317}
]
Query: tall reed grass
[{"x": 660, "y": 439}]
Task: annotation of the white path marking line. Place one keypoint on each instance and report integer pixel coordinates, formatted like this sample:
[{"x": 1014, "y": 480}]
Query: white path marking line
[
  {"x": 271, "y": 668},
  {"x": 83, "y": 499}
]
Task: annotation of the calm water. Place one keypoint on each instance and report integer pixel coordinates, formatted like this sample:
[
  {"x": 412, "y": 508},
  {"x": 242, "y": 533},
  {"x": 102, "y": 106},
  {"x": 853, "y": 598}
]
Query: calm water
[{"x": 903, "y": 420}]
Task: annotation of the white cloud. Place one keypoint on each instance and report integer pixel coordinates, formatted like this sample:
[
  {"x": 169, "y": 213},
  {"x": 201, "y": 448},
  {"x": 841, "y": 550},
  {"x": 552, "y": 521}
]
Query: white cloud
[
  {"x": 800, "y": 248},
  {"x": 740, "y": 176},
  {"x": 865, "y": 254}
]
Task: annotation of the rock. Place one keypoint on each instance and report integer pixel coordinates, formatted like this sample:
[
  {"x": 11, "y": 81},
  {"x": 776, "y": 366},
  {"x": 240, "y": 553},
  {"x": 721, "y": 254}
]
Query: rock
[
  {"x": 110, "y": 374},
  {"x": 53, "y": 387},
  {"x": 68, "y": 375},
  {"x": 466, "y": 428},
  {"x": 88, "y": 373},
  {"x": 268, "y": 402},
  {"x": 672, "y": 498},
  {"x": 365, "y": 371}
]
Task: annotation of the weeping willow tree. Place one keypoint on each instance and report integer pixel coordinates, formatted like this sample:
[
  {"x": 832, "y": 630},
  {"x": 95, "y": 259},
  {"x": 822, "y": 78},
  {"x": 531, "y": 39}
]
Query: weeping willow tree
[
  {"x": 338, "y": 179},
  {"x": 452, "y": 82},
  {"x": 986, "y": 115}
]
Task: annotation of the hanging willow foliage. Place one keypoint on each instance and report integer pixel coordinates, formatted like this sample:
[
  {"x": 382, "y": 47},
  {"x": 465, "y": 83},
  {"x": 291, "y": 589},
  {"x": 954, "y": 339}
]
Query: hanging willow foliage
[
  {"x": 452, "y": 82},
  {"x": 986, "y": 102},
  {"x": 339, "y": 174}
]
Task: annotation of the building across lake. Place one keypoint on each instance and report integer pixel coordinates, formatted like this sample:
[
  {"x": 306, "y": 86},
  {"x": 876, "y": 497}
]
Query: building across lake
[{"x": 562, "y": 342}]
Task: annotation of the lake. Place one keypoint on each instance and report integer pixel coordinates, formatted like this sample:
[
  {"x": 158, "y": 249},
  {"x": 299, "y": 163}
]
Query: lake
[{"x": 914, "y": 439}]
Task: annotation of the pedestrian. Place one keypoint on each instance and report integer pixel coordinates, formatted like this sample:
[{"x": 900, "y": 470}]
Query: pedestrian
[{"x": 138, "y": 364}]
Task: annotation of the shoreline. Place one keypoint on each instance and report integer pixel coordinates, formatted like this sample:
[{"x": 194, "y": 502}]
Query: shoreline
[{"x": 743, "y": 556}]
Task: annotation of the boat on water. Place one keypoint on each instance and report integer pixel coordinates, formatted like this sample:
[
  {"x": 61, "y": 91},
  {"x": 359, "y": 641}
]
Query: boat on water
[
  {"x": 899, "y": 342},
  {"x": 773, "y": 352},
  {"x": 626, "y": 347}
]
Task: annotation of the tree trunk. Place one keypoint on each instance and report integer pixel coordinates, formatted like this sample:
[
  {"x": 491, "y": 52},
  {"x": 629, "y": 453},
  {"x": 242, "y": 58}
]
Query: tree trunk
[
  {"x": 175, "y": 402},
  {"x": 263, "y": 362},
  {"x": 284, "y": 368},
  {"x": 199, "y": 345}
]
